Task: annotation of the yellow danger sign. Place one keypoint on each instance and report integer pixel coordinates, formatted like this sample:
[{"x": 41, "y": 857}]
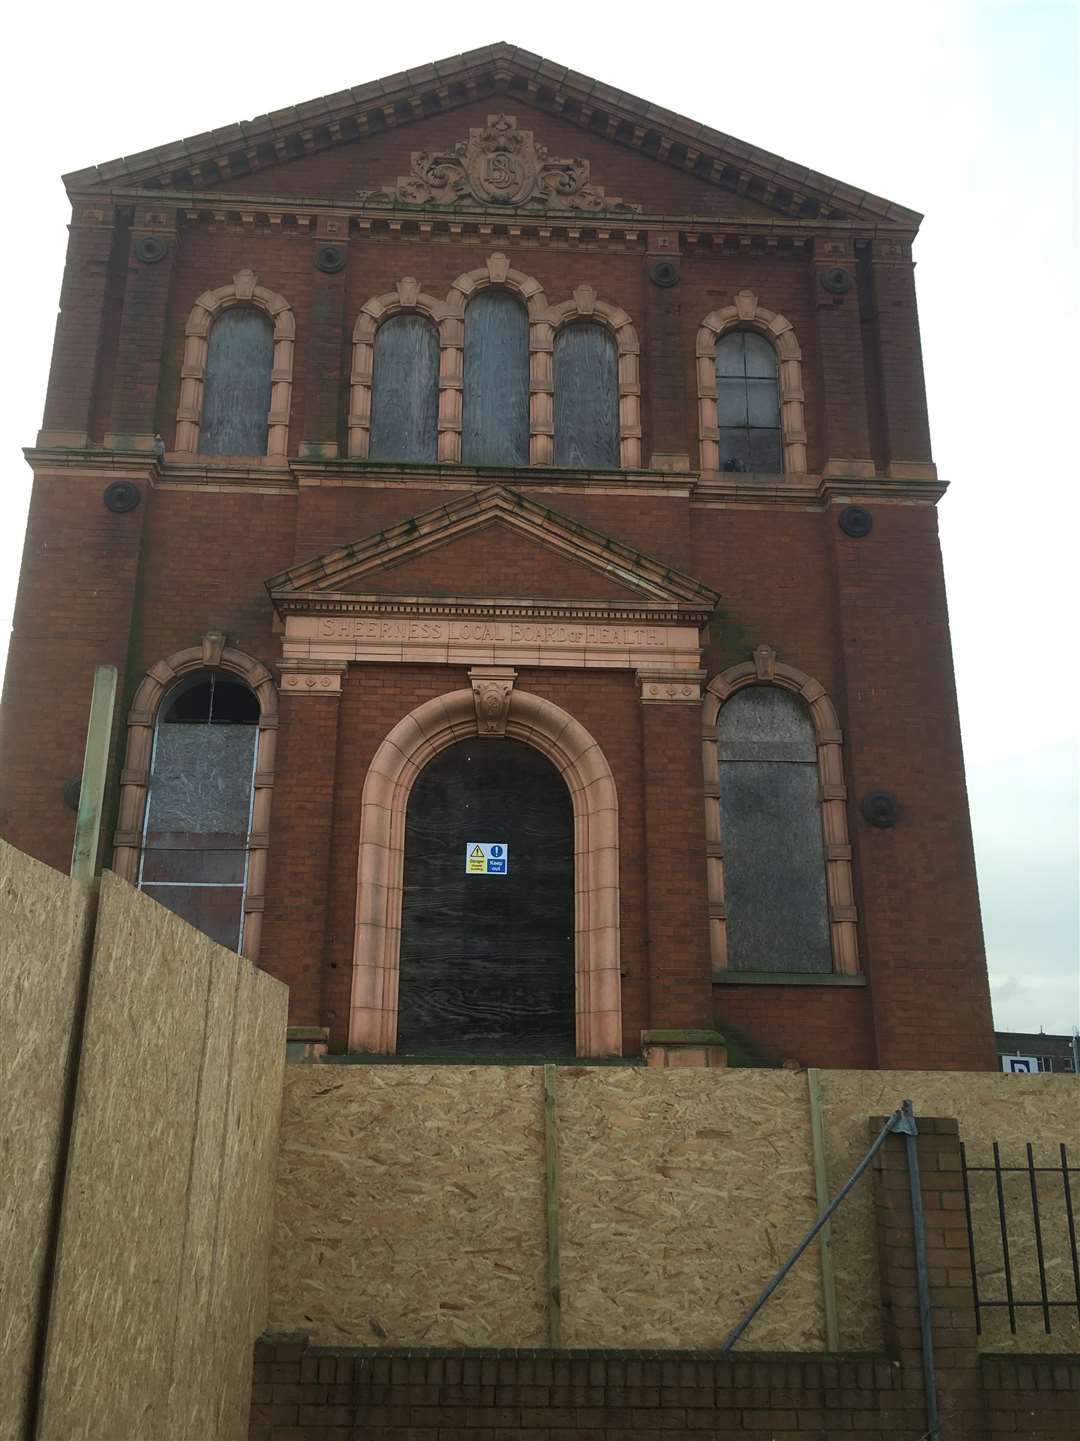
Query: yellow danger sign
[{"x": 486, "y": 858}]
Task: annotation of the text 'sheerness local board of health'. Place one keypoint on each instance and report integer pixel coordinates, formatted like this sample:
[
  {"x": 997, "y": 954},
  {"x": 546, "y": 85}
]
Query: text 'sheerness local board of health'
[{"x": 486, "y": 858}]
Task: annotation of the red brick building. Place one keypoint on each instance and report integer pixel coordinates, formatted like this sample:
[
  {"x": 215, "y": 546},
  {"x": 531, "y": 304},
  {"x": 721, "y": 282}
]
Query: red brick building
[{"x": 484, "y": 462}]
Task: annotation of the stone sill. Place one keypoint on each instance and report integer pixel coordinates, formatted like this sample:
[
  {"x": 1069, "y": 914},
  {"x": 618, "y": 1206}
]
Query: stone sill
[
  {"x": 367, "y": 1058},
  {"x": 785, "y": 978}
]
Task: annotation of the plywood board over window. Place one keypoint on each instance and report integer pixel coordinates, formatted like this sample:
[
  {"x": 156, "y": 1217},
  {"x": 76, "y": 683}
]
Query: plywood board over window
[
  {"x": 586, "y": 398},
  {"x": 405, "y": 390},
  {"x": 495, "y": 406}
]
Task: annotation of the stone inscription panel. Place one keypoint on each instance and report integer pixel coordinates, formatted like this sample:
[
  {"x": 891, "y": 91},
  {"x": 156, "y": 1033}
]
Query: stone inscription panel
[{"x": 391, "y": 629}]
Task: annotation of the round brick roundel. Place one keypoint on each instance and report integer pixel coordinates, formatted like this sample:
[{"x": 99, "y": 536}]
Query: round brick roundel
[
  {"x": 151, "y": 248},
  {"x": 879, "y": 809},
  {"x": 330, "y": 259},
  {"x": 664, "y": 273},
  {"x": 121, "y": 496},
  {"x": 856, "y": 521}
]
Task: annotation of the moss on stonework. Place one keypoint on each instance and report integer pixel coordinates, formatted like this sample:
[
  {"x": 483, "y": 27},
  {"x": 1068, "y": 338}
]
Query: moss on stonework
[
  {"x": 727, "y": 641},
  {"x": 742, "y": 1049}
]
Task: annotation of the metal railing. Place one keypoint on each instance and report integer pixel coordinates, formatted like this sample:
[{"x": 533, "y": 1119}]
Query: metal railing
[{"x": 1033, "y": 1172}]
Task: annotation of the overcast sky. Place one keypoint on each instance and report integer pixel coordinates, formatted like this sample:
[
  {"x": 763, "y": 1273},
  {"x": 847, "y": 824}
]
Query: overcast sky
[{"x": 965, "y": 111}]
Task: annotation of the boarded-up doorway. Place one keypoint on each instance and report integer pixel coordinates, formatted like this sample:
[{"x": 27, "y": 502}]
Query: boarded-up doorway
[{"x": 487, "y": 957}]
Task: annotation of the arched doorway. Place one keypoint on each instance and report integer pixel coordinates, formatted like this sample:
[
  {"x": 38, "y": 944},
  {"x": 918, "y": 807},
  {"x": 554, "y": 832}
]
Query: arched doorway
[
  {"x": 416, "y": 740},
  {"x": 487, "y": 918}
]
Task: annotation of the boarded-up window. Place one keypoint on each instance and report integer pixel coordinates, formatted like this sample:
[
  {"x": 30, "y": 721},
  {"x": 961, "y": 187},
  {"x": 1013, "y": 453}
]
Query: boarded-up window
[
  {"x": 495, "y": 407},
  {"x": 748, "y": 403},
  {"x": 405, "y": 390},
  {"x": 774, "y": 863},
  {"x": 198, "y": 812},
  {"x": 237, "y": 384},
  {"x": 586, "y": 397}
]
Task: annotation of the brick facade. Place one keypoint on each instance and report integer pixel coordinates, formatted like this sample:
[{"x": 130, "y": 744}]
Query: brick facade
[{"x": 865, "y": 618}]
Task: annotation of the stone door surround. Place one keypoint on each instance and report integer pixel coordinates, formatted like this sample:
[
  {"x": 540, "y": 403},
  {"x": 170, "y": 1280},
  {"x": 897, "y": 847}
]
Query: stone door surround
[{"x": 417, "y": 739}]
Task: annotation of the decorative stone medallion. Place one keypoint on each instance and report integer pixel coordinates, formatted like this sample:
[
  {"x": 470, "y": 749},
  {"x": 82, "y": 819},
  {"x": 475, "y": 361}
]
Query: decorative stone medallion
[{"x": 498, "y": 165}]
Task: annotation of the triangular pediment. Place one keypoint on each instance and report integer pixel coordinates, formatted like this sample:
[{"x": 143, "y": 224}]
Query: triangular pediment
[
  {"x": 493, "y": 546},
  {"x": 572, "y": 123}
]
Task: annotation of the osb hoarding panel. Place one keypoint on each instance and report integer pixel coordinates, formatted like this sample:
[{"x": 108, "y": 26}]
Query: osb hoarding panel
[
  {"x": 1011, "y": 1110},
  {"x": 681, "y": 1192},
  {"x": 239, "y": 1295},
  {"x": 137, "y": 1343},
  {"x": 193, "y": 1348},
  {"x": 45, "y": 923},
  {"x": 410, "y": 1206}
]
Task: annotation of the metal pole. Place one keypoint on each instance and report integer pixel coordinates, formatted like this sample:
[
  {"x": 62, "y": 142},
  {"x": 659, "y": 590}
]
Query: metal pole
[
  {"x": 911, "y": 1145},
  {"x": 551, "y": 1171},
  {"x": 821, "y": 1186},
  {"x": 84, "y": 851},
  {"x": 890, "y": 1125}
]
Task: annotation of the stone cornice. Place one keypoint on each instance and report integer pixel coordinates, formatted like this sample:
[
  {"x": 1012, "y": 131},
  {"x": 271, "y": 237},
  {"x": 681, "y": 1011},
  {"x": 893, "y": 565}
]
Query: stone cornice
[
  {"x": 124, "y": 464},
  {"x": 702, "y": 232},
  {"x": 921, "y": 486},
  {"x": 815, "y": 492},
  {"x": 510, "y": 74},
  {"x": 493, "y": 609}
]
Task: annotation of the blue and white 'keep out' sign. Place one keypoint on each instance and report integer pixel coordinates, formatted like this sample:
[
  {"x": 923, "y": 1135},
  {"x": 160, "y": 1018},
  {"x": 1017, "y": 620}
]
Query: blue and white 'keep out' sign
[{"x": 486, "y": 858}]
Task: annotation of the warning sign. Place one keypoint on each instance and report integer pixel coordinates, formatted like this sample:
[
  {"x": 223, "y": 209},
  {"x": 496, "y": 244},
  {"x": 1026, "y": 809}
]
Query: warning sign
[{"x": 486, "y": 858}]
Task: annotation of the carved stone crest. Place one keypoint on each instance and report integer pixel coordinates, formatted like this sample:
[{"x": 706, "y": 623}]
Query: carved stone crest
[
  {"x": 492, "y": 687},
  {"x": 498, "y": 165}
]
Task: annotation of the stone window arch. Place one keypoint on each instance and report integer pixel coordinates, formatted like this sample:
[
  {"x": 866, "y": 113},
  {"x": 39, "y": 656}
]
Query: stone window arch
[
  {"x": 418, "y": 738},
  {"x": 747, "y": 314},
  {"x": 586, "y": 306},
  {"x": 244, "y": 290},
  {"x": 407, "y": 298},
  {"x": 765, "y": 669},
  {"x": 212, "y": 655}
]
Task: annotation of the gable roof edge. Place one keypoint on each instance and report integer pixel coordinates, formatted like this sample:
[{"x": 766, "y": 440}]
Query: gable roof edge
[{"x": 500, "y": 64}]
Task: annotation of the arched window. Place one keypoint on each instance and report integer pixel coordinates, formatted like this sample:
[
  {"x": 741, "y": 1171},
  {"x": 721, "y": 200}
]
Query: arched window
[
  {"x": 495, "y": 406},
  {"x": 195, "y": 842},
  {"x": 773, "y": 847},
  {"x": 405, "y": 390},
  {"x": 748, "y": 403},
  {"x": 238, "y": 383},
  {"x": 586, "y": 397}
]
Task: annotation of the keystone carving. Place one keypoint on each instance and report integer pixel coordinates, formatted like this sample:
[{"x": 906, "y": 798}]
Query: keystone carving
[
  {"x": 765, "y": 662},
  {"x": 492, "y": 687},
  {"x": 498, "y": 165}
]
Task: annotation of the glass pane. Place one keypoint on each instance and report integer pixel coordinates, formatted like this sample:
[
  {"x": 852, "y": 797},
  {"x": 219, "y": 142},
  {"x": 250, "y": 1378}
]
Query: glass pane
[
  {"x": 201, "y": 781},
  {"x": 774, "y": 872},
  {"x": 217, "y": 911},
  {"x": 586, "y": 397},
  {"x": 766, "y": 452},
  {"x": 495, "y": 406},
  {"x": 763, "y": 403},
  {"x": 735, "y": 449},
  {"x": 731, "y": 402},
  {"x": 405, "y": 390},
  {"x": 729, "y": 355},
  {"x": 760, "y": 356},
  {"x": 237, "y": 385},
  {"x": 765, "y": 723}
]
